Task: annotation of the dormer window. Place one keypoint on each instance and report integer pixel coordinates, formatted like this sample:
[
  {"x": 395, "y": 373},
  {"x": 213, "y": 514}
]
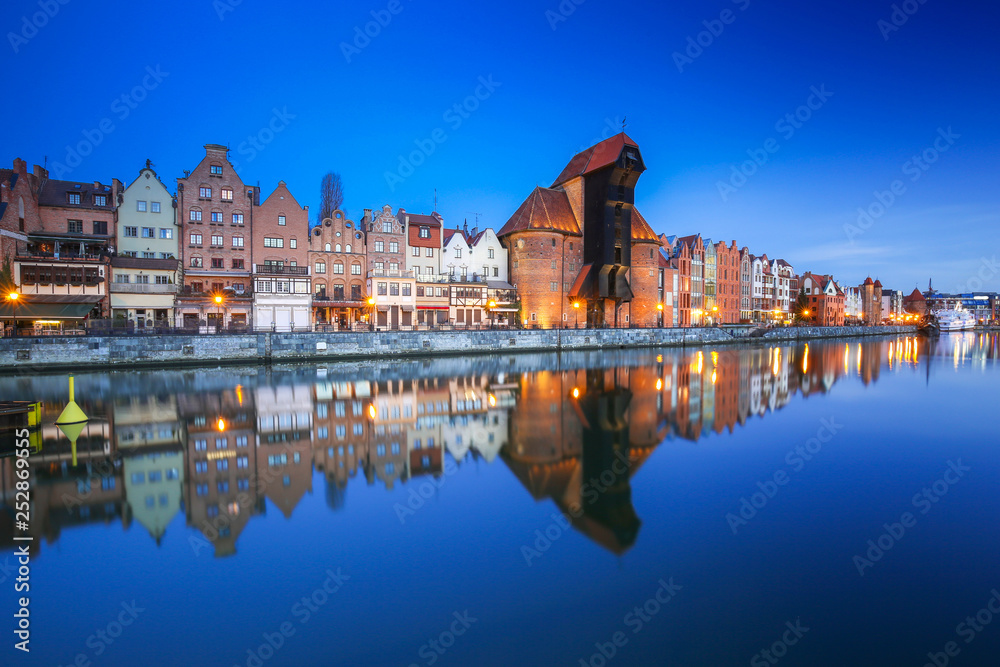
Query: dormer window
[
  {"x": 425, "y": 232},
  {"x": 216, "y": 170},
  {"x": 100, "y": 200},
  {"x": 73, "y": 197}
]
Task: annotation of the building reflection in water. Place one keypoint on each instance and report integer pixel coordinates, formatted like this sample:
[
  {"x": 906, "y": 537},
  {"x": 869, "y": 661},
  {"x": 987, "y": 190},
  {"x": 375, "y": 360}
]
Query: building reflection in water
[{"x": 224, "y": 454}]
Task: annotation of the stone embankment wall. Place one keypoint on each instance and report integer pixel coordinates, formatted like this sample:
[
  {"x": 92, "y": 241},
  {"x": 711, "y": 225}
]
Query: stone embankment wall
[{"x": 23, "y": 355}]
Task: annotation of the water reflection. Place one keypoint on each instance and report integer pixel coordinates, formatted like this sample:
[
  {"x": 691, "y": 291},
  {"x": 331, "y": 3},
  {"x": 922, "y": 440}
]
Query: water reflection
[{"x": 226, "y": 446}]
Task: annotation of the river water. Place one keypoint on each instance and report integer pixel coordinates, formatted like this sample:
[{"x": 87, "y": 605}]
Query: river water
[{"x": 834, "y": 503}]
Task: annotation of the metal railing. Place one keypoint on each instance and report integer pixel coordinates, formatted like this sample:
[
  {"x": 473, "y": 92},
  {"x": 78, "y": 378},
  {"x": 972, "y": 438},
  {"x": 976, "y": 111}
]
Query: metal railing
[
  {"x": 143, "y": 288},
  {"x": 274, "y": 270}
]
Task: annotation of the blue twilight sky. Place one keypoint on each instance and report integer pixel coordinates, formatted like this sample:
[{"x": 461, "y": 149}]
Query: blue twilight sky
[{"x": 563, "y": 76}]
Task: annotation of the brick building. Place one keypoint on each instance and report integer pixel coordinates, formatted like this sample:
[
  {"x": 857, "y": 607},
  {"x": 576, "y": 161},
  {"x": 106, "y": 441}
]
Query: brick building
[
  {"x": 280, "y": 252},
  {"x": 59, "y": 237},
  {"x": 339, "y": 266},
  {"x": 728, "y": 285},
  {"x": 389, "y": 281},
  {"x": 573, "y": 242},
  {"x": 216, "y": 217},
  {"x": 871, "y": 302},
  {"x": 825, "y": 300}
]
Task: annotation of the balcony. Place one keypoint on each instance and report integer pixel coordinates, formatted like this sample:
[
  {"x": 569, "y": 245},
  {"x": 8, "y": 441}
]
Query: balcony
[
  {"x": 142, "y": 288},
  {"x": 61, "y": 257},
  {"x": 276, "y": 270},
  {"x": 390, "y": 274}
]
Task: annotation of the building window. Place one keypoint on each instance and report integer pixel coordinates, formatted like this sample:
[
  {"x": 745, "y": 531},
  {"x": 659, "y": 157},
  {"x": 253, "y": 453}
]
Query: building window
[
  {"x": 73, "y": 197},
  {"x": 380, "y": 267},
  {"x": 237, "y": 241},
  {"x": 387, "y": 227},
  {"x": 355, "y": 269},
  {"x": 195, "y": 215},
  {"x": 394, "y": 289},
  {"x": 458, "y": 253},
  {"x": 406, "y": 289},
  {"x": 273, "y": 242},
  {"x": 217, "y": 263},
  {"x": 430, "y": 252},
  {"x": 415, "y": 251},
  {"x": 154, "y": 206},
  {"x": 380, "y": 246},
  {"x": 238, "y": 264},
  {"x": 281, "y": 220},
  {"x": 394, "y": 246},
  {"x": 293, "y": 243},
  {"x": 425, "y": 232},
  {"x": 166, "y": 233},
  {"x": 216, "y": 216},
  {"x": 74, "y": 226},
  {"x": 394, "y": 266},
  {"x": 496, "y": 271},
  {"x": 227, "y": 194},
  {"x": 553, "y": 287},
  {"x": 205, "y": 193},
  {"x": 491, "y": 252},
  {"x": 195, "y": 239},
  {"x": 162, "y": 280},
  {"x": 196, "y": 263},
  {"x": 148, "y": 233},
  {"x": 338, "y": 267},
  {"x": 320, "y": 267},
  {"x": 215, "y": 170},
  {"x": 100, "y": 200},
  {"x": 382, "y": 289},
  {"x": 237, "y": 218},
  {"x": 132, "y": 232},
  {"x": 217, "y": 240}
]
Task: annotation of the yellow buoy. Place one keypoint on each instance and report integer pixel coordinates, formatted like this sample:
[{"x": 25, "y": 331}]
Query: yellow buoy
[{"x": 72, "y": 420}]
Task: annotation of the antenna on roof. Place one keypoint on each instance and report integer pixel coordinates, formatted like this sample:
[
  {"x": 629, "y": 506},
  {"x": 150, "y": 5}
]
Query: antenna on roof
[
  {"x": 435, "y": 199},
  {"x": 475, "y": 214},
  {"x": 624, "y": 118}
]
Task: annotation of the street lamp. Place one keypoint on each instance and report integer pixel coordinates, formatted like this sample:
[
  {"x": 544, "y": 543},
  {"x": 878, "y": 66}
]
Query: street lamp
[
  {"x": 715, "y": 309},
  {"x": 218, "y": 302},
  {"x": 371, "y": 317},
  {"x": 576, "y": 314},
  {"x": 13, "y": 297},
  {"x": 659, "y": 307},
  {"x": 489, "y": 307}
]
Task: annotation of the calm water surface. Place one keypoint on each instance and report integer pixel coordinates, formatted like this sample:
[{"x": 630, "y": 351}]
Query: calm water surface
[{"x": 830, "y": 504}]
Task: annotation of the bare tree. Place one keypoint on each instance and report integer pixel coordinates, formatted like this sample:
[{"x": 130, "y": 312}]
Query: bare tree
[{"x": 331, "y": 195}]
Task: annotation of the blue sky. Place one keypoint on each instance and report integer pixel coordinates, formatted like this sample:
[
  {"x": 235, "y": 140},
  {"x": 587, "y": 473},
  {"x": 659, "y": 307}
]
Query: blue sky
[{"x": 558, "y": 80}]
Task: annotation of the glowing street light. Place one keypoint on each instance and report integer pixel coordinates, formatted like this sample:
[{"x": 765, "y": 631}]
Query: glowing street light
[
  {"x": 576, "y": 314},
  {"x": 218, "y": 302},
  {"x": 13, "y": 298}
]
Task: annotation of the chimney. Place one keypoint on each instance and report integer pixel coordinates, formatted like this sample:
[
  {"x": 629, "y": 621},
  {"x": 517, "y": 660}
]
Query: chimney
[
  {"x": 41, "y": 173},
  {"x": 465, "y": 227},
  {"x": 20, "y": 166}
]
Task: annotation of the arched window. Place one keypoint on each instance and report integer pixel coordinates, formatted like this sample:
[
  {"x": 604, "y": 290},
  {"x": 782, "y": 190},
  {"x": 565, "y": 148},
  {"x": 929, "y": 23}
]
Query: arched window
[
  {"x": 320, "y": 267},
  {"x": 355, "y": 269},
  {"x": 338, "y": 247},
  {"x": 328, "y": 247},
  {"x": 348, "y": 247},
  {"x": 338, "y": 268}
]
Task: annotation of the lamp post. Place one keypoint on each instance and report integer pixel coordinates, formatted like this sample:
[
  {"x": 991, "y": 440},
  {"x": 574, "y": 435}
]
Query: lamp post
[
  {"x": 659, "y": 308},
  {"x": 13, "y": 298},
  {"x": 489, "y": 308},
  {"x": 696, "y": 312},
  {"x": 715, "y": 309},
  {"x": 576, "y": 314},
  {"x": 218, "y": 302},
  {"x": 371, "y": 317}
]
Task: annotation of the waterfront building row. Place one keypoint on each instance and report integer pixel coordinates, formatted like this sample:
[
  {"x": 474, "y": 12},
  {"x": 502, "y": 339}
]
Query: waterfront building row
[{"x": 215, "y": 254}]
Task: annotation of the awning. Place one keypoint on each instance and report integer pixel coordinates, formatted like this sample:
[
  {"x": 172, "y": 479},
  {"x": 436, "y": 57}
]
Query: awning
[
  {"x": 406, "y": 309},
  {"x": 420, "y": 307},
  {"x": 49, "y": 307},
  {"x": 383, "y": 308}
]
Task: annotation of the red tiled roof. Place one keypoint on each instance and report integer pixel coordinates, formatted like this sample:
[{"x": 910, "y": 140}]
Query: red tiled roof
[
  {"x": 868, "y": 281},
  {"x": 544, "y": 209},
  {"x": 915, "y": 295},
  {"x": 641, "y": 231},
  {"x": 878, "y": 283},
  {"x": 596, "y": 157}
]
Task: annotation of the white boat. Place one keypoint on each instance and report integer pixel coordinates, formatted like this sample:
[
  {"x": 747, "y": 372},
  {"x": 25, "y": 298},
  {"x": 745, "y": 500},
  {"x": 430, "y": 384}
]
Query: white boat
[{"x": 955, "y": 320}]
